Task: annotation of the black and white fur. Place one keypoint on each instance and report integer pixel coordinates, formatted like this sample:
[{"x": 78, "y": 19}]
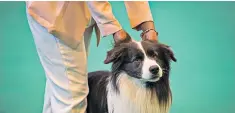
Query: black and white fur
[{"x": 137, "y": 83}]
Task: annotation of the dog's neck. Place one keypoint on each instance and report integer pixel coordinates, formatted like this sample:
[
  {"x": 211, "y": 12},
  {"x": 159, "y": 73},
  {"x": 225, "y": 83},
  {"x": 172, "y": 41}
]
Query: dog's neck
[{"x": 134, "y": 97}]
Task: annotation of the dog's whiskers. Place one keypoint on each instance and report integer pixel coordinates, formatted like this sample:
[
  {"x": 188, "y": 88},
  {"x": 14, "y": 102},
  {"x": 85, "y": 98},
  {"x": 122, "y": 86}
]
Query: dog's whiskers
[{"x": 165, "y": 70}]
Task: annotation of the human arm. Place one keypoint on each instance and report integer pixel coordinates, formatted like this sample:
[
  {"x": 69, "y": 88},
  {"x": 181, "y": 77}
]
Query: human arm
[
  {"x": 140, "y": 17},
  {"x": 102, "y": 13}
]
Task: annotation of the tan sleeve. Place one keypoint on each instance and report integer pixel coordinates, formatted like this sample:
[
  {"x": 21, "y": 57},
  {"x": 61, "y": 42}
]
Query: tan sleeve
[
  {"x": 138, "y": 12},
  {"x": 102, "y": 13}
]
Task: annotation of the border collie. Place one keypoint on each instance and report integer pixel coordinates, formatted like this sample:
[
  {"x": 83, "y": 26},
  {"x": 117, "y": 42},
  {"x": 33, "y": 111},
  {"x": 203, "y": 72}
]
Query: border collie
[{"x": 138, "y": 81}]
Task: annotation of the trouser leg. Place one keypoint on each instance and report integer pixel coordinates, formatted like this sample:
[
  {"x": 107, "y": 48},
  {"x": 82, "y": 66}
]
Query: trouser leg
[{"x": 65, "y": 69}]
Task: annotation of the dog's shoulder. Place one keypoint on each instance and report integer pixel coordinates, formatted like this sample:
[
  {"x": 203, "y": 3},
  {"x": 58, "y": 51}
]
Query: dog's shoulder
[
  {"x": 98, "y": 78},
  {"x": 97, "y": 97},
  {"x": 99, "y": 73}
]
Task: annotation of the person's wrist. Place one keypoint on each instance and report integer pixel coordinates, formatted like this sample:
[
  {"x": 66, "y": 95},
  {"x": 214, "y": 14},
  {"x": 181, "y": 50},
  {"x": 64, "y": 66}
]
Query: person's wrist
[
  {"x": 145, "y": 25},
  {"x": 121, "y": 36},
  {"x": 148, "y": 31},
  {"x": 149, "y": 34}
]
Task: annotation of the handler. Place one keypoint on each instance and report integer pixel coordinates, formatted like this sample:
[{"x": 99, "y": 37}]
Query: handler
[{"x": 62, "y": 32}]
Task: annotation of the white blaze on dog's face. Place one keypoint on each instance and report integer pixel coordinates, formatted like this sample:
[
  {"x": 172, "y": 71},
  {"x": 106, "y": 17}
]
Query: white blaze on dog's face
[{"x": 151, "y": 70}]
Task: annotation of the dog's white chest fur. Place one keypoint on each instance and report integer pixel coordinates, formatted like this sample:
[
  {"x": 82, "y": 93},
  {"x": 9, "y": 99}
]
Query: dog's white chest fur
[{"x": 133, "y": 98}]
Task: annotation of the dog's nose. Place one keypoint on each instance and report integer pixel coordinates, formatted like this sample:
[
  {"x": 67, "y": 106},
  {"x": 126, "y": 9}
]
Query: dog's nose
[{"x": 154, "y": 69}]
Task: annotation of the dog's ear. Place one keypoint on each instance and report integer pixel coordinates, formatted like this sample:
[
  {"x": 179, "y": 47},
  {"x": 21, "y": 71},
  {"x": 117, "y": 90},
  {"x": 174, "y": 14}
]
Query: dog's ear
[
  {"x": 114, "y": 54},
  {"x": 167, "y": 50},
  {"x": 118, "y": 50}
]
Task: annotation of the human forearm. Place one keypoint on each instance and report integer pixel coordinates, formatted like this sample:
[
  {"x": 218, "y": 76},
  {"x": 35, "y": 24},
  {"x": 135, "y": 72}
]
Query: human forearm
[
  {"x": 148, "y": 31},
  {"x": 106, "y": 21},
  {"x": 145, "y": 26},
  {"x": 141, "y": 19},
  {"x": 102, "y": 13}
]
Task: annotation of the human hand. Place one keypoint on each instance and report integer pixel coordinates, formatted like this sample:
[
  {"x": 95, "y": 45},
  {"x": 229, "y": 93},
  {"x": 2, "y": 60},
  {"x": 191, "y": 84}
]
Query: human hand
[
  {"x": 148, "y": 31},
  {"x": 150, "y": 35},
  {"x": 121, "y": 36}
]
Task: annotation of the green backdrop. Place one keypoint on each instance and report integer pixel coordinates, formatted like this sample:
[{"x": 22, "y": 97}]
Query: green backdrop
[{"x": 202, "y": 34}]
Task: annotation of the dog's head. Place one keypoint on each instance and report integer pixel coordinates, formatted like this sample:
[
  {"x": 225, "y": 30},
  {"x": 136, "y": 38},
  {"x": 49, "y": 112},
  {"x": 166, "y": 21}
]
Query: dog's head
[{"x": 146, "y": 61}]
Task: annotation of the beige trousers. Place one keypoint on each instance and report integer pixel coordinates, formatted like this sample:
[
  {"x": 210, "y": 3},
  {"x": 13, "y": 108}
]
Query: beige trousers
[{"x": 65, "y": 70}]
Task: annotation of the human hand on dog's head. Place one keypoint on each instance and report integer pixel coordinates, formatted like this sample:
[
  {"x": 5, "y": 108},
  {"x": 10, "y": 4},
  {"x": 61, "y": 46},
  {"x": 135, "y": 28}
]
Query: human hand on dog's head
[
  {"x": 150, "y": 35},
  {"x": 121, "y": 36},
  {"x": 148, "y": 31}
]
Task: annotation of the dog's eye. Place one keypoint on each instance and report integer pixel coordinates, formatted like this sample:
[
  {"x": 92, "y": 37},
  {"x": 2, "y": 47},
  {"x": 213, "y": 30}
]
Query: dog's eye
[
  {"x": 137, "y": 59},
  {"x": 154, "y": 55}
]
